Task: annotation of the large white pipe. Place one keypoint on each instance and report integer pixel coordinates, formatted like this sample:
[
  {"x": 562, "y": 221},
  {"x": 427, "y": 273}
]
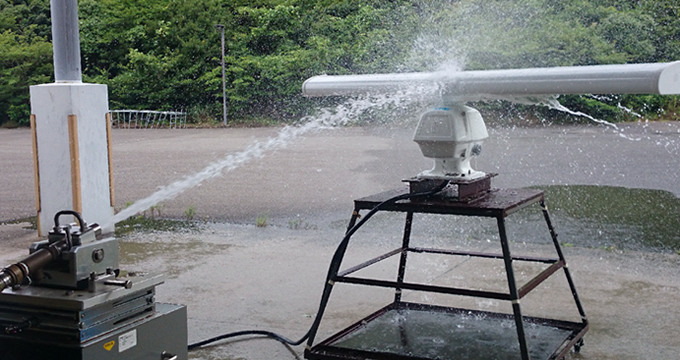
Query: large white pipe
[{"x": 656, "y": 78}]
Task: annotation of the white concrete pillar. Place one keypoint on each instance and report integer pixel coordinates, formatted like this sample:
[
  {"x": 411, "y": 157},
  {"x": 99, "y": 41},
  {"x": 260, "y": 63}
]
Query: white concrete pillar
[{"x": 72, "y": 143}]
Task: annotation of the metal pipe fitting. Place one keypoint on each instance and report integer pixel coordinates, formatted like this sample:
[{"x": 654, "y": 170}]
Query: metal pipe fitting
[{"x": 15, "y": 274}]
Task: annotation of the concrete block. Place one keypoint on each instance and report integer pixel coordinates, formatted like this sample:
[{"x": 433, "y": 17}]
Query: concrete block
[{"x": 72, "y": 151}]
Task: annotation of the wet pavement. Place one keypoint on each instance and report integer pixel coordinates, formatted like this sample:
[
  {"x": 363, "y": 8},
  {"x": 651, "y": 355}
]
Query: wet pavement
[{"x": 234, "y": 275}]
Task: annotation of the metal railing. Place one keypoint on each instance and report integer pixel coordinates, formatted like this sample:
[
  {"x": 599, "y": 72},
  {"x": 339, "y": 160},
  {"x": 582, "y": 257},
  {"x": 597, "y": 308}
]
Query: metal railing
[{"x": 148, "y": 119}]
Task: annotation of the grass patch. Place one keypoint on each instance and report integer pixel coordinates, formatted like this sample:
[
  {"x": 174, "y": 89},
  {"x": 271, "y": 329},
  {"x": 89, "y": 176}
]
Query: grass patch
[
  {"x": 300, "y": 224},
  {"x": 190, "y": 213},
  {"x": 32, "y": 222},
  {"x": 144, "y": 224},
  {"x": 261, "y": 220}
]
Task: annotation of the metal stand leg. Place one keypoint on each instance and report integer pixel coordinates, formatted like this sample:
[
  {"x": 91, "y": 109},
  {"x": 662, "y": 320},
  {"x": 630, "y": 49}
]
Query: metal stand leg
[
  {"x": 353, "y": 220},
  {"x": 332, "y": 276},
  {"x": 519, "y": 322},
  {"x": 404, "y": 254},
  {"x": 572, "y": 287},
  {"x": 403, "y": 336}
]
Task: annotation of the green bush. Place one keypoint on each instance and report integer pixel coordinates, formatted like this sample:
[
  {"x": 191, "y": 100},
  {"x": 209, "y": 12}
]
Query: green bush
[{"x": 165, "y": 54}]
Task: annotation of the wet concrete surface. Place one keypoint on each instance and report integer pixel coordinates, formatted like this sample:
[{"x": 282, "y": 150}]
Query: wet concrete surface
[
  {"x": 323, "y": 172},
  {"x": 234, "y": 275}
]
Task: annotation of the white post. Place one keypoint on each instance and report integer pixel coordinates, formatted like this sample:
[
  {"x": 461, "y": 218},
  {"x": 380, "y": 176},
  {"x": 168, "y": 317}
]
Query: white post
[
  {"x": 65, "y": 40},
  {"x": 71, "y": 133}
]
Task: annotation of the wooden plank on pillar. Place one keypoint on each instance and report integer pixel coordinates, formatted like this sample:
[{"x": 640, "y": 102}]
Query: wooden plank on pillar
[
  {"x": 109, "y": 145},
  {"x": 75, "y": 163},
  {"x": 36, "y": 168}
]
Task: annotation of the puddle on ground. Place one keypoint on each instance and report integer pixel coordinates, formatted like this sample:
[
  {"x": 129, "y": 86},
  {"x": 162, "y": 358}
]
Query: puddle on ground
[
  {"x": 441, "y": 335},
  {"x": 615, "y": 217},
  {"x": 185, "y": 254},
  {"x": 601, "y": 217}
]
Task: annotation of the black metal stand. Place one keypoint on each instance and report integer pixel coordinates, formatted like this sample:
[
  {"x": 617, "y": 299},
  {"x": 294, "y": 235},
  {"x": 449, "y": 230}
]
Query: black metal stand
[{"x": 496, "y": 204}]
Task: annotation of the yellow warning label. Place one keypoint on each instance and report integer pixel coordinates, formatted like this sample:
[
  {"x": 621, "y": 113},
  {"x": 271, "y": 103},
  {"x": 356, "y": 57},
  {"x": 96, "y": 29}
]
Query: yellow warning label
[{"x": 109, "y": 345}]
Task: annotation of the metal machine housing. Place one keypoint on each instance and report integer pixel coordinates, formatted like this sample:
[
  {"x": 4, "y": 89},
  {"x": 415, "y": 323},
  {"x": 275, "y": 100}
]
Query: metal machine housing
[{"x": 67, "y": 300}]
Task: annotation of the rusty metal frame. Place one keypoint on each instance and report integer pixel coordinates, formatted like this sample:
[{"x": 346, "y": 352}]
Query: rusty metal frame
[{"x": 498, "y": 204}]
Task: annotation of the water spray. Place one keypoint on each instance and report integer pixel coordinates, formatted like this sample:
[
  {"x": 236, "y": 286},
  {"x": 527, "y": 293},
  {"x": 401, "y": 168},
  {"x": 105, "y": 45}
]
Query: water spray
[
  {"x": 451, "y": 134},
  {"x": 343, "y": 114},
  {"x": 75, "y": 303}
]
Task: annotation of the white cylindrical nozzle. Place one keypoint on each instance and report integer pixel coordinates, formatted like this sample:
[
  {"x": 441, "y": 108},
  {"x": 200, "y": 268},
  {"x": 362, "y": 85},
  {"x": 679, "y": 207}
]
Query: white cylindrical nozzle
[{"x": 655, "y": 78}]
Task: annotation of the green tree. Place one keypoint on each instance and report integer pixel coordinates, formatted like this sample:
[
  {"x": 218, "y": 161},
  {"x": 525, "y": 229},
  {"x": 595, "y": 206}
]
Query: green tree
[
  {"x": 666, "y": 29},
  {"x": 26, "y": 56},
  {"x": 151, "y": 53},
  {"x": 26, "y": 61},
  {"x": 165, "y": 54},
  {"x": 26, "y": 17}
]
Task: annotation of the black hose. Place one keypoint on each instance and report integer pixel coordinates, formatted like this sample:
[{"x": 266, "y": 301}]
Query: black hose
[
  {"x": 332, "y": 271},
  {"x": 270, "y": 334}
]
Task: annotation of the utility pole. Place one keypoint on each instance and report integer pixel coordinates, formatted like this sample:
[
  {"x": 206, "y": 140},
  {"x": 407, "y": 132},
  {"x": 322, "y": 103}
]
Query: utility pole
[{"x": 224, "y": 83}]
